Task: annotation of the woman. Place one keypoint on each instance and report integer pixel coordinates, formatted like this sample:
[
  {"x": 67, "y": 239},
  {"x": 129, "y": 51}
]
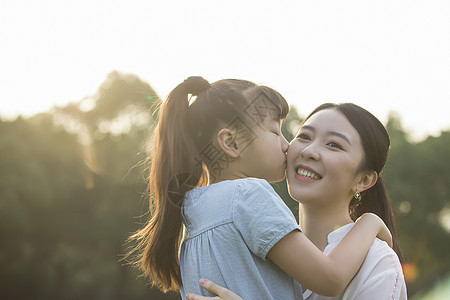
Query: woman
[{"x": 333, "y": 170}]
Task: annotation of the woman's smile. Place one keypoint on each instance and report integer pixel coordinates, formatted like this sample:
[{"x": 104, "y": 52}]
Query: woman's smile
[{"x": 304, "y": 173}]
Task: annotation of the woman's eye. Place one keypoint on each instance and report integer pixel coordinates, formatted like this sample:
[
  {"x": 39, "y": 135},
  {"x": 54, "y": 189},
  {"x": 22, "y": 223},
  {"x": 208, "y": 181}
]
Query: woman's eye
[
  {"x": 303, "y": 136},
  {"x": 276, "y": 133},
  {"x": 334, "y": 145}
]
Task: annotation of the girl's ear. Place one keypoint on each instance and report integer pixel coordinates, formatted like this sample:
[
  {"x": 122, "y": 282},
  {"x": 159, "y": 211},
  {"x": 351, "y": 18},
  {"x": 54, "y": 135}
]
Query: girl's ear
[
  {"x": 227, "y": 141},
  {"x": 366, "y": 181}
]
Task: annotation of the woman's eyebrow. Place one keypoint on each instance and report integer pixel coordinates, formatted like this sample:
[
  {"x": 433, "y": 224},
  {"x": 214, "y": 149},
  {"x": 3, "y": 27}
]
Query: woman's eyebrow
[
  {"x": 307, "y": 127},
  {"x": 340, "y": 135}
]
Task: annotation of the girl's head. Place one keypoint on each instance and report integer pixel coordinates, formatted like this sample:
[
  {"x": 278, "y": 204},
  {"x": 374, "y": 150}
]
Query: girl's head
[
  {"x": 225, "y": 122},
  {"x": 341, "y": 150},
  {"x": 204, "y": 131}
]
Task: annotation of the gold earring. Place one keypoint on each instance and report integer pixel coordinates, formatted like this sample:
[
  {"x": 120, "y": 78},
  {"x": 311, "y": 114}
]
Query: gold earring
[{"x": 357, "y": 195}]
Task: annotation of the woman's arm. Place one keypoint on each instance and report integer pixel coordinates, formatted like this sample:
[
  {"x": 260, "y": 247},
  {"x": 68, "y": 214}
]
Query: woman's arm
[{"x": 328, "y": 275}]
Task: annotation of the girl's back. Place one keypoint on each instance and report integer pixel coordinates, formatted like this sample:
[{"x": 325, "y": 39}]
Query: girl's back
[{"x": 231, "y": 227}]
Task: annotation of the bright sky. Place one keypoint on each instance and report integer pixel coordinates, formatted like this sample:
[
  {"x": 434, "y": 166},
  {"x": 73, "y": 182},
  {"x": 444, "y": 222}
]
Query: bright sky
[{"x": 383, "y": 55}]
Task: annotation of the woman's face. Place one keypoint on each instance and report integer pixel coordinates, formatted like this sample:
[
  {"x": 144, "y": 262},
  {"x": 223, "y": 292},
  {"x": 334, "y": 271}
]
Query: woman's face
[{"x": 323, "y": 159}]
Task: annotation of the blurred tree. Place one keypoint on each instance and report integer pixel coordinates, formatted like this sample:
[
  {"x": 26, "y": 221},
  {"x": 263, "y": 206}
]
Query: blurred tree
[
  {"x": 71, "y": 186},
  {"x": 418, "y": 180},
  {"x": 40, "y": 170}
]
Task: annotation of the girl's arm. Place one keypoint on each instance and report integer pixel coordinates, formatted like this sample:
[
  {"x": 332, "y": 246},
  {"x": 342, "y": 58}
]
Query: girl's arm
[
  {"x": 328, "y": 275},
  {"x": 325, "y": 275}
]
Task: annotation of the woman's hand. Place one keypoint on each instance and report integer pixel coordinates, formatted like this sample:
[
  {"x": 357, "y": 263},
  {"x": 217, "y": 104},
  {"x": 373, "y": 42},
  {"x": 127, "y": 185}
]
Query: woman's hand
[
  {"x": 221, "y": 292},
  {"x": 383, "y": 233}
]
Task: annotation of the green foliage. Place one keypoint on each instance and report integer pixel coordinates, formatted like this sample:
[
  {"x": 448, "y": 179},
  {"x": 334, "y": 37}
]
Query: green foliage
[
  {"x": 418, "y": 181},
  {"x": 70, "y": 190},
  {"x": 73, "y": 181}
]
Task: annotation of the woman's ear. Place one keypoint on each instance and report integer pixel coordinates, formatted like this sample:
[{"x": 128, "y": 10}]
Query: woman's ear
[
  {"x": 227, "y": 141},
  {"x": 366, "y": 181}
]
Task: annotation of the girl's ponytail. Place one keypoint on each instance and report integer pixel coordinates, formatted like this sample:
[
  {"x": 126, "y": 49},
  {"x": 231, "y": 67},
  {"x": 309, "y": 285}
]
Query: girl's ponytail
[
  {"x": 173, "y": 172},
  {"x": 185, "y": 155}
]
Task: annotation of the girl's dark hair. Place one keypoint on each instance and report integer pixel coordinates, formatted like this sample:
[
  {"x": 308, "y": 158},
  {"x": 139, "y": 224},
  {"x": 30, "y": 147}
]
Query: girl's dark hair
[
  {"x": 376, "y": 143},
  {"x": 182, "y": 158}
]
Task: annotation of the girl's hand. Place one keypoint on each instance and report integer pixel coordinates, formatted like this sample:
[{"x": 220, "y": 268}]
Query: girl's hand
[
  {"x": 383, "y": 233},
  {"x": 221, "y": 292}
]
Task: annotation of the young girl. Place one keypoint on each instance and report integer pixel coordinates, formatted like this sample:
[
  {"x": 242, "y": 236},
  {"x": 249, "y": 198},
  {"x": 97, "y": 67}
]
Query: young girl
[
  {"x": 213, "y": 156},
  {"x": 335, "y": 143}
]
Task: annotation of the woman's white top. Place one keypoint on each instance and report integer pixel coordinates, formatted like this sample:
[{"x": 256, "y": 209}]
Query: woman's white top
[{"x": 380, "y": 276}]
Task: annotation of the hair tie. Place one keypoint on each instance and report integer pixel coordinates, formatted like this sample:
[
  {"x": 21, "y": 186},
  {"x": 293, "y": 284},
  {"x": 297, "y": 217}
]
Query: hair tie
[{"x": 195, "y": 85}]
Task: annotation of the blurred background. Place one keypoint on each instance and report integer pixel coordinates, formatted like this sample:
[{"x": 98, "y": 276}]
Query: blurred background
[{"x": 81, "y": 83}]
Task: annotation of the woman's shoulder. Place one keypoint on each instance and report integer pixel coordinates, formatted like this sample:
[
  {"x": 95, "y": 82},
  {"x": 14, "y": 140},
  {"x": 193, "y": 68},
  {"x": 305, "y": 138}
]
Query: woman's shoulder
[
  {"x": 382, "y": 256},
  {"x": 381, "y": 275},
  {"x": 381, "y": 247}
]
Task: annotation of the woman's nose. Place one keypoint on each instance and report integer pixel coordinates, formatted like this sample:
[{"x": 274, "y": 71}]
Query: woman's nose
[{"x": 310, "y": 152}]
